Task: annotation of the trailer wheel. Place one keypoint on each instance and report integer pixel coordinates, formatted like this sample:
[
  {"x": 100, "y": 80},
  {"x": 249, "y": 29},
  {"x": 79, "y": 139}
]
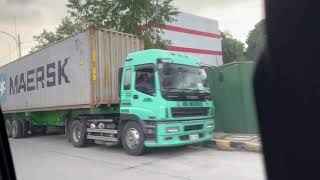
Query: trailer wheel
[
  {"x": 8, "y": 128},
  {"x": 133, "y": 139},
  {"x": 77, "y": 134},
  {"x": 16, "y": 129},
  {"x": 25, "y": 128}
]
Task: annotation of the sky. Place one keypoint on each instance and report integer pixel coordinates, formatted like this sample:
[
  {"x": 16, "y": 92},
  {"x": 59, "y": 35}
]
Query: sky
[{"x": 32, "y": 16}]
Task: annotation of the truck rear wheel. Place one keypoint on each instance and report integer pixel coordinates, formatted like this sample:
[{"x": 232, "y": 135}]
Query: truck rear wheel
[
  {"x": 8, "y": 128},
  {"x": 77, "y": 134},
  {"x": 16, "y": 129},
  {"x": 25, "y": 128},
  {"x": 132, "y": 139}
]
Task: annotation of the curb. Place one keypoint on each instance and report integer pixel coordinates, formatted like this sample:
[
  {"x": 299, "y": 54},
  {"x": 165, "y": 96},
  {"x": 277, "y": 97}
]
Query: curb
[{"x": 228, "y": 145}]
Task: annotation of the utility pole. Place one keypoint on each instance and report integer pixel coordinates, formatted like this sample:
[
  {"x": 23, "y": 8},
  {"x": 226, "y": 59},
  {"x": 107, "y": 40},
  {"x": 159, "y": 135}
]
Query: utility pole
[
  {"x": 17, "y": 41},
  {"x": 19, "y": 46}
]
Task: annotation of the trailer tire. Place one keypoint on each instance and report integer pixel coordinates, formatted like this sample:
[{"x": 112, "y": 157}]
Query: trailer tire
[
  {"x": 132, "y": 138},
  {"x": 16, "y": 129},
  {"x": 25, "y": 128},
  {"x": 8, "y": 128},
  {"x": 77, "y": 134}
]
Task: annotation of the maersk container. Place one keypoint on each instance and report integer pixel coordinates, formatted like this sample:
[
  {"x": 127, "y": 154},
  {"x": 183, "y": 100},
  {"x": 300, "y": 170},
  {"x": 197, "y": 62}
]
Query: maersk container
[{"x": 78, "y": 72}]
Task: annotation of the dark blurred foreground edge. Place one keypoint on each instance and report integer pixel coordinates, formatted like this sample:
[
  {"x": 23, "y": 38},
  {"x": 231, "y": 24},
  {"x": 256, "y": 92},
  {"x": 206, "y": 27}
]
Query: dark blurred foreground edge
[
  {"x": 6, "y": 163},
  {"x": 287, "y": 90}
]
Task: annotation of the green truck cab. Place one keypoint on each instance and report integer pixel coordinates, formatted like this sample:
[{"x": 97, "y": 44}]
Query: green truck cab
[{"x": 177, "y": 108}]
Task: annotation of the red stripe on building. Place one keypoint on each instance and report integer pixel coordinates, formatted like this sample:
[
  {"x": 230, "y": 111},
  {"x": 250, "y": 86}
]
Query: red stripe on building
[
  {"x": 186, "y": 30},
  {"x": 193, "y": 50},
  {"x": 191, "y": 31}
]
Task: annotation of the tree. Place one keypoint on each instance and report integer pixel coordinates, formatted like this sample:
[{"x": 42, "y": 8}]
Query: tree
[
  {"x": 256, "y": 41},
  {"x": 233, "y": 49},
  {"x": 139, "y": 17},
  {"x": 65, "y": 28}
]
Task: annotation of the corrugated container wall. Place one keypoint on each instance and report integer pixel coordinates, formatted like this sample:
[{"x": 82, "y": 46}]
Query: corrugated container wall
[
  {"x": 80, "y": 71},
  {"x": 231, "y": 85},
  {"x": 112, "y": 49}
]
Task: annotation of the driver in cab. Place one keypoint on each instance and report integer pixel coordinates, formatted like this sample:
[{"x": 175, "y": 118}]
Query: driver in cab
[{"x": 145, "y": 82}]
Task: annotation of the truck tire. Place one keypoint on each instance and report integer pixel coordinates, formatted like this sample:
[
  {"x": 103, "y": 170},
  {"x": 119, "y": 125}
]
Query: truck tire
[
  {"x": 132, "y": 139},
  {"x": 16, "y": 129},
  {"x": 25, "y": 128},
  {"x": 77, "y": 134},
  {"x": 8, "y": 128}
]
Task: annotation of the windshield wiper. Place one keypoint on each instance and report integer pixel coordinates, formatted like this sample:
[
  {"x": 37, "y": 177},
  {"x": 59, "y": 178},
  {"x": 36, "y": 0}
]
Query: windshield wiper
[
  {"x": 187, "y": 90},
  {"x": 178, "y": 89},
  {"x": 202, "y": 90}
]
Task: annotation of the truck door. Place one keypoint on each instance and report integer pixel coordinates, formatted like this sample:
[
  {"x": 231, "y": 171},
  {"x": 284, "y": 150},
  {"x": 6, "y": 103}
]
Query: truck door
[
  {"x": 144, "y": 92},
  {"x": 126, "y": 91}
]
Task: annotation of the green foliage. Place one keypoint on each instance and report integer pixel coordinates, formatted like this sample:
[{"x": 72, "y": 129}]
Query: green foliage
[
  {"x": 256, "y": 41},
  {"x": 127, "y": 16},
  {"x": 233, "y": 49},
  {"x": 65, "y": 28}
]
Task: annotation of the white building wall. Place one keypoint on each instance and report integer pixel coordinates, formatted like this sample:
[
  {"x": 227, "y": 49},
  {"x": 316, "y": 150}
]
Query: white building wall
[{"x": 197, "y": 36}]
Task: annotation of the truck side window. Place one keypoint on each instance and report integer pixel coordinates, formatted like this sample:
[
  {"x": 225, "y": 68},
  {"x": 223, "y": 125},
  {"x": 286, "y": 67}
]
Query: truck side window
[
  {"x": 145, "y": 81},
  {"x": 127, "y": 79}
]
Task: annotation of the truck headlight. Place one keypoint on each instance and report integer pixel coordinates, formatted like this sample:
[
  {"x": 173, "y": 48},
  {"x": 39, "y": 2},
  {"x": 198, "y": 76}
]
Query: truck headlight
[
  {"x": 101, "y": 126},
  {"x": 172, "y": 129},
  {"x": 210, "y": 125}
]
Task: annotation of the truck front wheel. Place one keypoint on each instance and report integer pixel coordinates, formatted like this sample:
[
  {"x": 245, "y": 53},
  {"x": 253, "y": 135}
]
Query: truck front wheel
[
  {"x": 133, "y": 139},
  {"x": 16, "y": 129},
  {"x": 77, "y": 134},
  {"x": 8, "y": 128}
]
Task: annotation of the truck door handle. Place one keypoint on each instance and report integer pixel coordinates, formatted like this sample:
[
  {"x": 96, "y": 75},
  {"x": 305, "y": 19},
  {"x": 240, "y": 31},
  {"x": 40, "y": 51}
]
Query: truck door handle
[{"x": 135, "y": 96}]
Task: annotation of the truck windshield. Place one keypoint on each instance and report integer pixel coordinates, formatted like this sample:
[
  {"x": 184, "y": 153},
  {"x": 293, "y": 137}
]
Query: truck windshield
[{"x": 178, "y": 77}]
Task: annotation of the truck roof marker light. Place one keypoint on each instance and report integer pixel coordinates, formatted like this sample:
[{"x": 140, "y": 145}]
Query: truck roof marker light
[
  {"x": 129, "y": 59},
  {"x": 164, "y": 60}
]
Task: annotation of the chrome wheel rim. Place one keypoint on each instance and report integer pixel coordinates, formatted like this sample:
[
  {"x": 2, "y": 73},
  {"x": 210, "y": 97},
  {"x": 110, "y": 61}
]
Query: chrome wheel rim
[
  {"x": 132, "y": 138},
  {"x": 76, "y": 134}
]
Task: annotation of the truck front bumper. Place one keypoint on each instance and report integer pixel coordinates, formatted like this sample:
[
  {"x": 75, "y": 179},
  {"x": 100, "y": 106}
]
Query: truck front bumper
[{"x": 189, "y": 133}]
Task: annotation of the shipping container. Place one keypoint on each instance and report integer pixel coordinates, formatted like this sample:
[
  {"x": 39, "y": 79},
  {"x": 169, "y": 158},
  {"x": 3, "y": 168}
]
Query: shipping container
[{"x": 80, "y": 71}]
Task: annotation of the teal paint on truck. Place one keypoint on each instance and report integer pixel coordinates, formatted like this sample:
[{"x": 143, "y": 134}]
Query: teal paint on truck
[{"x": 159, "y": 109}]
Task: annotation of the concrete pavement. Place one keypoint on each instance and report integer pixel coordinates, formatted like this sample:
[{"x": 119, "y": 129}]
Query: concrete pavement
[{"x": 53, "y": 158}]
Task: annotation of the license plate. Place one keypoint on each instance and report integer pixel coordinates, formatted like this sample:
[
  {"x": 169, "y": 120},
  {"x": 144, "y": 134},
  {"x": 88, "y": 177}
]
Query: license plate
[{"x": 193, "y": 137}]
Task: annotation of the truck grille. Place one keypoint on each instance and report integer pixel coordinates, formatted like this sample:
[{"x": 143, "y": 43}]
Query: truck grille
[
  {"x": 193, "y": 127},
  {"x": 189, "y": 111}
]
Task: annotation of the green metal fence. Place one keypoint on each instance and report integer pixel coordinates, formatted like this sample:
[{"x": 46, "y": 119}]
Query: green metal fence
[{"x": 231, "y": 85}]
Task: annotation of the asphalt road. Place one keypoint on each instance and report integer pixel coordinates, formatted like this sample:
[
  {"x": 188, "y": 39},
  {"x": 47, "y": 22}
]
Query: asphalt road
[{"x": 53, "y": 158}]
